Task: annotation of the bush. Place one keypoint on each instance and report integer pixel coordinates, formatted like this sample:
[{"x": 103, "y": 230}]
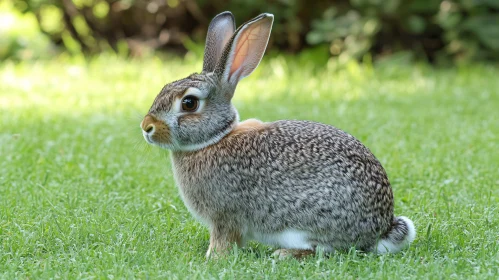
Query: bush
[
  {"x": 20, "y": 37},
  {"x": 460, "y": 30}
]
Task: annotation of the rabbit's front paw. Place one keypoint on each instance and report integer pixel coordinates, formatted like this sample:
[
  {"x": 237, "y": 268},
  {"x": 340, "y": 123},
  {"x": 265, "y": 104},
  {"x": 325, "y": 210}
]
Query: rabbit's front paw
[{"x": 222, "y": 241}]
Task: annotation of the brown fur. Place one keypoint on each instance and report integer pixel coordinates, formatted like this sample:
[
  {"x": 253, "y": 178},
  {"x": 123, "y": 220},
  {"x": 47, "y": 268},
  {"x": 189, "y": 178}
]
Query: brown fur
[
  {"x": 247, "y": 125},
  {"x": 294, "y": 253},
  {"x": 162, "y": 132},
  {"x": 221, "y": 241}
]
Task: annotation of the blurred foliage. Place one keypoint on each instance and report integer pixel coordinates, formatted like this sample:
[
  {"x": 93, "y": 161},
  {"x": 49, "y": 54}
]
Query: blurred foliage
[
  {"x": 462, "y": 30},
  {"x": 20, "y": 37},
  {"x": 436, "y": 30}
]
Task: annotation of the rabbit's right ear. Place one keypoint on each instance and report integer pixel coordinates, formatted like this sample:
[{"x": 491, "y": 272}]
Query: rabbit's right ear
[{"x": 219, "y": 32}]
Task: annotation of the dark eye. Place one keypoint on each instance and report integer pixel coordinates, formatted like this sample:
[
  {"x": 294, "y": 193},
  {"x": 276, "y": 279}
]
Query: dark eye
[{"x": 190, "y": 103}]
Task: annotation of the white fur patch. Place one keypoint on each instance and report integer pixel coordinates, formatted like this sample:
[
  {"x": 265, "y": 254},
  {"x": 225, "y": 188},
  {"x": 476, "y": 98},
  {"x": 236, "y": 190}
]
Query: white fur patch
[
  {"x": 289, "y": 239},
  {"x": 411, "y": 235}
]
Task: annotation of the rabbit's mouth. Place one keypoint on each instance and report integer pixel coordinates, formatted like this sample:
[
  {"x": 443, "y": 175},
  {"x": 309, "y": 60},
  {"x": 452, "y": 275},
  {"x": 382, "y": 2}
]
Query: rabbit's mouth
[{"x": 148, "y": 138}]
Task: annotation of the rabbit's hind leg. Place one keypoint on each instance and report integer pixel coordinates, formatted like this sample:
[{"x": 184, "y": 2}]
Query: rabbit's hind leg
[{"x": 292, "y": 253}]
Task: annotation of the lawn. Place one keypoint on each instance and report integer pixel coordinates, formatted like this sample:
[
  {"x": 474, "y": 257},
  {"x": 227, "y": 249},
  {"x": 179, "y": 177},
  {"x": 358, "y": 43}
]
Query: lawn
[{"x": 83, "y": 196}]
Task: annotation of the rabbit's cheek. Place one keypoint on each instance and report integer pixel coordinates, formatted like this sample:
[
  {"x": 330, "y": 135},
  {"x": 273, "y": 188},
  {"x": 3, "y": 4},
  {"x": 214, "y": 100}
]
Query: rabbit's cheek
[
  {"x": 189, "y": 120},
  {"x": 162, "y": 134}
]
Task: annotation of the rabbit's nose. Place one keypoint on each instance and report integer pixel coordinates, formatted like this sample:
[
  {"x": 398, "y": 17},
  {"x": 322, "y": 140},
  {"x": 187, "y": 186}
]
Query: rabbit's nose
[
  {"x": 149, "y": 128},
  {"x": 148, "y": 124}
]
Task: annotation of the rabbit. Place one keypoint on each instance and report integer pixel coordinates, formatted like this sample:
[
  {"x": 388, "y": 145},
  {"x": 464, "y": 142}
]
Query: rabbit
[{"x": 295, "y": 185}]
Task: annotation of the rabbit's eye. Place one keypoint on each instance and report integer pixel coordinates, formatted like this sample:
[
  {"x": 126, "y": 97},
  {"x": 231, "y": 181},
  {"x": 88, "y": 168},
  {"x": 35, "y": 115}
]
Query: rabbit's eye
[{"x": 190, "y": 103}]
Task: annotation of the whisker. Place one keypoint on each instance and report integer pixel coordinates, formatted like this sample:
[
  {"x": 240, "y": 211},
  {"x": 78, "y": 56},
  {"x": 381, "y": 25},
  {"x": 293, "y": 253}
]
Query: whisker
[{"x": 146, "y": 152}]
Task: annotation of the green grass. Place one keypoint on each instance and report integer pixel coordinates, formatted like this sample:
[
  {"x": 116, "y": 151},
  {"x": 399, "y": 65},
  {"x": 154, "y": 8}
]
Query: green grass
[{"x": 83, "y": 196}]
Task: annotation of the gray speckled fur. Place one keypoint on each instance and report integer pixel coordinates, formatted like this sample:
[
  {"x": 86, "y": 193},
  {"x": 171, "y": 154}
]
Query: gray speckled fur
[
  {"x": 292, "y": 174},
  {"x": 270, "y": 177}
]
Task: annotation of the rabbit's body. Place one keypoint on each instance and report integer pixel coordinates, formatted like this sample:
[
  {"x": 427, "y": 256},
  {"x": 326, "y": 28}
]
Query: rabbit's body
[
  {"x": 296, "y": 184},
  {"x": 293, "y": 184}
]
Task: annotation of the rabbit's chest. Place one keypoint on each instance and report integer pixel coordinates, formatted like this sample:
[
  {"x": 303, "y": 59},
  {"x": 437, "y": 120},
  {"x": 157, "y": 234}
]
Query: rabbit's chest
[{"x": 199, "y": 194}]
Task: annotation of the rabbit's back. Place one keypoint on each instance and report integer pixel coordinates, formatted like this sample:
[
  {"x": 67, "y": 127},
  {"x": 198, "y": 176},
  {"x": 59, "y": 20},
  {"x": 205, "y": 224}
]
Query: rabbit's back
[{"x": 299, "y": 175}]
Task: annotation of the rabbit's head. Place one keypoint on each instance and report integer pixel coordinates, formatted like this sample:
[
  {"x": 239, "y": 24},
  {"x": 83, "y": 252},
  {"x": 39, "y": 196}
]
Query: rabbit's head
[{"x": 195, "y": 112}]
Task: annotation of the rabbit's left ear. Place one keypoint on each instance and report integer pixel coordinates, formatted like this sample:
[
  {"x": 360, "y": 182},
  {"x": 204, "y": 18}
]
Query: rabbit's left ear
[
  {"x": 221, "y": 29},
  {"x": 245, "y": 50}
]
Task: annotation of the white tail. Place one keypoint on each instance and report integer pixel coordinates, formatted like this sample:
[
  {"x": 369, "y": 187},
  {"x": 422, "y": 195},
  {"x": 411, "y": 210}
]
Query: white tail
[{"x": 399, "y": 237}]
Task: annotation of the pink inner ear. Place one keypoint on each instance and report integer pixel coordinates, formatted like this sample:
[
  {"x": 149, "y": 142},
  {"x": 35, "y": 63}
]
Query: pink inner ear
[{"x": 245, "y": 51}]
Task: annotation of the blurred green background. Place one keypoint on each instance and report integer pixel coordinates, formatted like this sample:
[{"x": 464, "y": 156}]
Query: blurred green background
[{"x": 441, "y": 32}]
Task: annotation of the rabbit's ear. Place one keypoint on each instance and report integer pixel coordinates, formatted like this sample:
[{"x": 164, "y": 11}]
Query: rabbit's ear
[
  {"x": 221, "y": 28},
  {"x": 245, "y": 50}
]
